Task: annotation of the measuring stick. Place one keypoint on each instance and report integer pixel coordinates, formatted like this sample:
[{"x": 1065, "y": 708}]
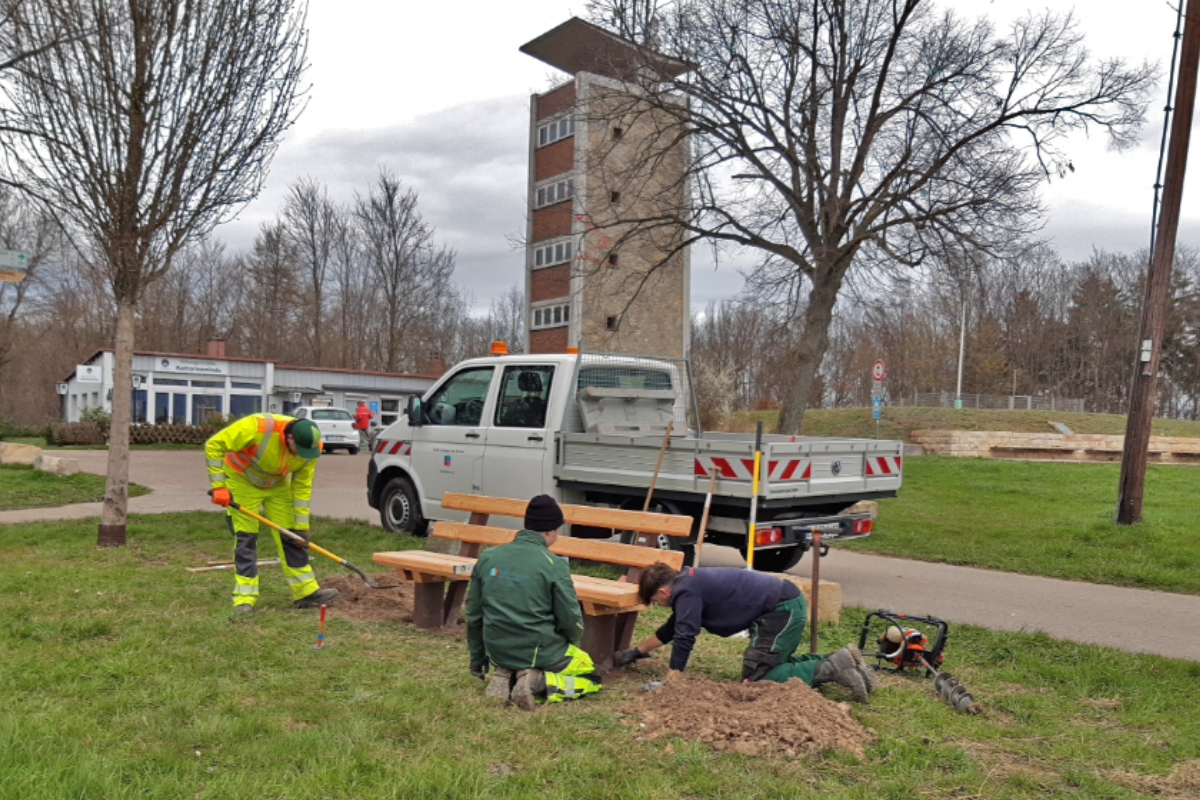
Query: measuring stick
[
  {"x": 321, "y": 630},
  {"x": 704, "y": 518},
  {"x": 218, "y": 567},
  {"x": 750, "y": 542}
]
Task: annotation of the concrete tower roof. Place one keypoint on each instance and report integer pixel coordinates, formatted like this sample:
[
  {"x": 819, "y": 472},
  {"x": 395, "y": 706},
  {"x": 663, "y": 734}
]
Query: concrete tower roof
[{"x": 579, "y": 46}]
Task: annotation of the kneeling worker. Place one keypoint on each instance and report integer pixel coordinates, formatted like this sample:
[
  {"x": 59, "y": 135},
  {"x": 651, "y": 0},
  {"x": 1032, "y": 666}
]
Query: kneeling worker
[
  {"x": 726, "y": 601},
  {"x": 265, "y": 463},
  {"x": 523, "y": 617}
]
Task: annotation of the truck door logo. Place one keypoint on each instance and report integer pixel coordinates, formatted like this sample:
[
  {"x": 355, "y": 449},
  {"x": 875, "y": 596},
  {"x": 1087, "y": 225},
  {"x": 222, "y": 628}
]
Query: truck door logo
[
  {"x": 836, "y": 466},
  {"x": 446, "y": 461}
]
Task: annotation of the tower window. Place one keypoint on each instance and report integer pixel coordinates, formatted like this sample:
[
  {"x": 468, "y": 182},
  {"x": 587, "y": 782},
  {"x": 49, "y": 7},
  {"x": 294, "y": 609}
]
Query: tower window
[
  {"x": 551, "y": 316},
  {"x": 615, "y": 197},
  {"x": 611, "y": 323},
  {"x": 555, "y": 253},
  {"x": 612, "y": 259},
  {"x": 555, "y": 192},
  {"x": 617, "y": 132},
  {"x": 551, "y": 132}
]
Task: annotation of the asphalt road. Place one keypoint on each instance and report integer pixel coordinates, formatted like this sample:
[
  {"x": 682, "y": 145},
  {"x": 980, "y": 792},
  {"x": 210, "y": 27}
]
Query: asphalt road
[{"x": 1134, "y": 620}]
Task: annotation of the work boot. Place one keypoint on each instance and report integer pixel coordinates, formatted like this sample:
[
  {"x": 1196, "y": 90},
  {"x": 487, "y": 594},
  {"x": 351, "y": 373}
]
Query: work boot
[
  {"x": 530, "y": 684},
  {"x": 840, "y": 668},
  {"x": 244, "y": 610},
  {"x": 864, "y": 669},
  {"x": 317, "y": 598},
  {"x": 500, "y": 686}
]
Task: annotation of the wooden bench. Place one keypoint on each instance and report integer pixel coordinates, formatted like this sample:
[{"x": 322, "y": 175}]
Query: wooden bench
[{"x": 610, "y": 607}]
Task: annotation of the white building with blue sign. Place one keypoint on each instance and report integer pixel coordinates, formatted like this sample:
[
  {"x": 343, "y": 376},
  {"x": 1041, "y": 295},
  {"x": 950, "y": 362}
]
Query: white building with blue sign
[{"x": 186, "y": 389}]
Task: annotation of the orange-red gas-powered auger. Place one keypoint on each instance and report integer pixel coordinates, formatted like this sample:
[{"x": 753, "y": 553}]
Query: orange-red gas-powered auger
[{"x": 907, "y": 647}]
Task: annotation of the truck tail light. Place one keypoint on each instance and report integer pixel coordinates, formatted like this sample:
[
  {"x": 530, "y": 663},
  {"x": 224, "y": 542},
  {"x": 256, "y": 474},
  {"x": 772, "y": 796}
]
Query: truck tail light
[
  {"x": 769, "y": 536},
  {"x": 862, "y": 526}
]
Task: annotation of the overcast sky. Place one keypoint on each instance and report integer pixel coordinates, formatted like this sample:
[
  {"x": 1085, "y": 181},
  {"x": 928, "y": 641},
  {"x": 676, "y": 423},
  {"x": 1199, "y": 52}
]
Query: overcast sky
[{"x": 438, "y": 93}]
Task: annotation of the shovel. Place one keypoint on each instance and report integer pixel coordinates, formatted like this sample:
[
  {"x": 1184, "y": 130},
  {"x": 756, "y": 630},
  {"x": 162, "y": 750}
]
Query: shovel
[{"x": 300, "y": 541}]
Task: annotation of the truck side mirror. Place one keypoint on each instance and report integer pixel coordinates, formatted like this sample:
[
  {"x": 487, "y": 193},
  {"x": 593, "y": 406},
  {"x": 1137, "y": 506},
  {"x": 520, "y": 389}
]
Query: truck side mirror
[{"x": 414, "y": 412}]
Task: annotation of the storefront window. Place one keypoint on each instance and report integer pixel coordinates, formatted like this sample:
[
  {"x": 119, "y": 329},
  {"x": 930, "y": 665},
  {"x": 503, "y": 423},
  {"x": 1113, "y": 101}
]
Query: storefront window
[
  {"x": 203, "y": 405},
  {"x": 241, "y": 405},
  {"x": 179, "y": 415},
  {"x": 162, "y": 408},
  {"x": 140, "y": 398}
]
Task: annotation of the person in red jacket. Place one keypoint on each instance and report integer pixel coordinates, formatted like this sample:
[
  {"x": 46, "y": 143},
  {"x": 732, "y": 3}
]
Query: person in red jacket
[{"x": 362, "y": 423}]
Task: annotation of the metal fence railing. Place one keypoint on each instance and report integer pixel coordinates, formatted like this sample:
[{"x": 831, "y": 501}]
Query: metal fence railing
[{"x": 1009, "y": 402}]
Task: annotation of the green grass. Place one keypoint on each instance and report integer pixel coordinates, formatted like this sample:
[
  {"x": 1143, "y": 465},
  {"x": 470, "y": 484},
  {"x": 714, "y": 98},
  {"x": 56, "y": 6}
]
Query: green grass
[
  {"x": 1043, "y": 518},
  {"x": 25, "y": 487},
  {"x": 899, "y": 423},
  {"x": 123, "y": 676}
]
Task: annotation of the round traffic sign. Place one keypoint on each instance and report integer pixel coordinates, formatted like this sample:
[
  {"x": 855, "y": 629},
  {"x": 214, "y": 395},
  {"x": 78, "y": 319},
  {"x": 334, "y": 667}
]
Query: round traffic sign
[{"x": 878, "y": 372}]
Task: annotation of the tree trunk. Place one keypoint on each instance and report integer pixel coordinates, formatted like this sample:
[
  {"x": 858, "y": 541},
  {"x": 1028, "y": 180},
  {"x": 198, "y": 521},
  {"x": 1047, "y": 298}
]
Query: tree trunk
[
  {"x": 805, "y": 359},
  {"x": 116, "y": 489}
]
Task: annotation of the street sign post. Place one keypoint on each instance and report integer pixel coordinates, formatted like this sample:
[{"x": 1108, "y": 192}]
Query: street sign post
[
  {"x": 13, "y": 265},
  {"x": 878, "y": 373}
]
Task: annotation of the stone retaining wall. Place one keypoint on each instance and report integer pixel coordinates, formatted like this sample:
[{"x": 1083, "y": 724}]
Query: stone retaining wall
[{"x": 1052, "y": 446}]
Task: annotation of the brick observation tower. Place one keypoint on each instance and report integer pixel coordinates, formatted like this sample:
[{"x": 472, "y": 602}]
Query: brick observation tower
[{"x": 600, "y": 156}]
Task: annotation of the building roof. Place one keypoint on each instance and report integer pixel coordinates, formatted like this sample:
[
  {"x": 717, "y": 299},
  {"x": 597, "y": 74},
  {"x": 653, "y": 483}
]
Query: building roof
[
  {"x": 579, "y": 46},
  {"x": 204, "y": 357}
]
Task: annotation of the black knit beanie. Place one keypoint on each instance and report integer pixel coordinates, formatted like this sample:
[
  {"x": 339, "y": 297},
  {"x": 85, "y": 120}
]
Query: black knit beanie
[{"x": 543, "y": 514}]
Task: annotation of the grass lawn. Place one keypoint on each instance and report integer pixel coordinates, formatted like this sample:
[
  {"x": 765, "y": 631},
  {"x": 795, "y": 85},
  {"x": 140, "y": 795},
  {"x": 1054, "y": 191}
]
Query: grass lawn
[
  {"x": 1042, "y": 518},
  {"x": 125, "y": 676},
  {"x": 899, "y": 423},
  {"x": 25, "y": 487}
]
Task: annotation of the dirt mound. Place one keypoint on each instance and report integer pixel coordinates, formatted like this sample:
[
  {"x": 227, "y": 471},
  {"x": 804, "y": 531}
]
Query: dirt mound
[
  {"x": 358, "y": 601},
  {"x": 753, "y": 719},
  {"x": 1183, "y": 782}
]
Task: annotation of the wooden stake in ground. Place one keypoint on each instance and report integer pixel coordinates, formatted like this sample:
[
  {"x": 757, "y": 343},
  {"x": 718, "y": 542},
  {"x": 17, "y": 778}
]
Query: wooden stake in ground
[
  {"x": 704, "y": 517},
  {"x": 816, "y": 590}
]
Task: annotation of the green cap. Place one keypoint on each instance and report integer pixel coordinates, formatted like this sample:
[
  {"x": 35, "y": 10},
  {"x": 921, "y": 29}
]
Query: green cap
[{"x": 307, "y": 437}]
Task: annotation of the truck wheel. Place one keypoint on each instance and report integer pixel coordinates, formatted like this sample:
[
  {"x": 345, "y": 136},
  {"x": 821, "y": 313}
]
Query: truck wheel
[
  {"x": 778, "y": 560},
  {"x": 399, "y": 510}
]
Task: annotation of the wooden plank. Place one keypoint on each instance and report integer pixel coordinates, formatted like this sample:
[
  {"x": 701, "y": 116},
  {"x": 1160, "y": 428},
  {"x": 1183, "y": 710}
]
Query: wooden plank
[
  {"x": 614, "y": 553},
  {"x": 420, "y": 566},
  {"x": 478, "y": 534},
  {"x": 614, "y": 518}
]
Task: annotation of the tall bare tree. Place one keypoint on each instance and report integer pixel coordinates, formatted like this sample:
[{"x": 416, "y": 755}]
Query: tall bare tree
[
  {"x": 413, "y": 276},
  {"x": 858, "y": 133},
  {"x": 314, "y": 226},
  {"x": 25, "y": 228},
  {"x": 143, "y": 126}
]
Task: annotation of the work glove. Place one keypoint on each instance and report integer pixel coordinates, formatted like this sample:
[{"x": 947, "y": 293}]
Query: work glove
[
  {"x": 222, "y": 496},
  {"x": 623, "y": 658},
  {"x": 480, "y": 670}
]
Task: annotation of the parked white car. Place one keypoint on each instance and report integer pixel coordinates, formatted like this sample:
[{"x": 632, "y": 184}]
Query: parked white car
[{"x": 336, "y": 426}]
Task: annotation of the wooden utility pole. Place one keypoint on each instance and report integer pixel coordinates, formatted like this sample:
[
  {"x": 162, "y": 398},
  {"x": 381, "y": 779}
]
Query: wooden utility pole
[{"x": 1158, "y": 281}]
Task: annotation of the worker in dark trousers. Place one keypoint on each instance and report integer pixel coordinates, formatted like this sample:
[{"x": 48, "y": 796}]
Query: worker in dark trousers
[
  {"x": 523, "y": 617},
  {"x": 728, "y": 601}
]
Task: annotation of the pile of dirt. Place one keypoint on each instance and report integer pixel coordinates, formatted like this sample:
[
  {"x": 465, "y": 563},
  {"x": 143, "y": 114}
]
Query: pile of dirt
[
  {"x": 753, "y": 719},
  {"x": 357, "y": 601},
  {"x": 1183, "y": 782}
]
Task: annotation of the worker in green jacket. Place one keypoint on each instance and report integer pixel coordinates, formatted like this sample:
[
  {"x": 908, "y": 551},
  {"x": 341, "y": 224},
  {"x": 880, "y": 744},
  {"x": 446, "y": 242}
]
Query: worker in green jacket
[{"x": 523, "y": 617}]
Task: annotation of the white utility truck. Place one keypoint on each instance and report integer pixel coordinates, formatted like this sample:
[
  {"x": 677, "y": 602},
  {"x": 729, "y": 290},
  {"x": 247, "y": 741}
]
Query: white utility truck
[{"x": 589, "y": 429}]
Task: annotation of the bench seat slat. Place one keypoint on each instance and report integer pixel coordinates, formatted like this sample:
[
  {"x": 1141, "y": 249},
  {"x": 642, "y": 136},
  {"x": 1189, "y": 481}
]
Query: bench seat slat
[
  {"x": 619, "y": 519},
  {"x": 588, "y": 549}
]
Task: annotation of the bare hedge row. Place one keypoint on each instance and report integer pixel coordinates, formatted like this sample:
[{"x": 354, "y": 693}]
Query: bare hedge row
[{"x": 84, "y": 433}]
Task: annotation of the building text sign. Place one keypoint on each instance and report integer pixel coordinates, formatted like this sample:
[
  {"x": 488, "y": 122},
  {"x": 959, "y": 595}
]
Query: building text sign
[
  {"x": 190, "y": 366},
  {"x": 89, "y": 373}
]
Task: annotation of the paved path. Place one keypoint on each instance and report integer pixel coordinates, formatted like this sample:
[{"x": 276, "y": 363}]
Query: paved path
[{"x": 1134, "y": 620}]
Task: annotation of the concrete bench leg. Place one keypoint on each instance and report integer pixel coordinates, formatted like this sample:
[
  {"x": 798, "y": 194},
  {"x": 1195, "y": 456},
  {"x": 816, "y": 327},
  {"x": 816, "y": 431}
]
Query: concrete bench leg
[{"x": 427, "y": 604}]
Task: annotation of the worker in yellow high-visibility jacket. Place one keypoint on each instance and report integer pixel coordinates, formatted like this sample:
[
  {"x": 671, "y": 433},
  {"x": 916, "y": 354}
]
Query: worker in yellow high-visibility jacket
[{"x": 265, "y": 462}]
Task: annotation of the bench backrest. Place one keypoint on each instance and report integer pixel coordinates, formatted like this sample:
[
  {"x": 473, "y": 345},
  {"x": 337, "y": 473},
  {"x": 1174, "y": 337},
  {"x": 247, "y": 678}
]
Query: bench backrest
[
  {"x": 613, "y": 518},
  {"x": 590, "y": 549}
]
